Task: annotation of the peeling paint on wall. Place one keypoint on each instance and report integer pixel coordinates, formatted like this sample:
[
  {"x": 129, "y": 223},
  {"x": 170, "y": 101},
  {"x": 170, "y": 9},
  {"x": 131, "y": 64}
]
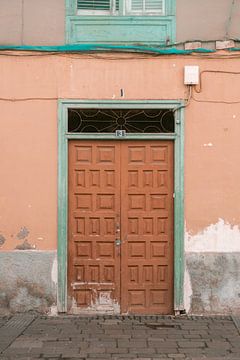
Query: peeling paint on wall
[
  {"x": 208, "y": 145},
  {"x": 211, "y": 283},
  {"x": 25, "y": 246},
  {"x": 187, "y": 290},
  {"x": 219, "y": 237},
  {"x": 54, "y": 273},
  {"x": 23, "y": 233},
  {"x": 25, "y": 281},
  {"x": 2, "y": 240},
  {"x": 215, "y": 285}
]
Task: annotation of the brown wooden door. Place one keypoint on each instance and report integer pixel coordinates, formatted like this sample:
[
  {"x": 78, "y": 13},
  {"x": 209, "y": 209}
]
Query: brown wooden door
[
  {"x": 94, "y": 212},
  {"x": 147, "y": 227},
  {"x": 121, "y": 226}
]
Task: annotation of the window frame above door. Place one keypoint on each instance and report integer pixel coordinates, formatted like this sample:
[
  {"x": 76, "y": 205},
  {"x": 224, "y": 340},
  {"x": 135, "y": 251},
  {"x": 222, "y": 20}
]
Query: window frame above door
[
  {"x": 121, "y": 7},
  {"x": 177, "y": 137},
  {"x": 122, "y": 26}
]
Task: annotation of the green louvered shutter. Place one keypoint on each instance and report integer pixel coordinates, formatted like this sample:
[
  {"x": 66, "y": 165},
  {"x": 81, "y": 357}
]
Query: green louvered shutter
[
  {"x": 147, "y": 6},
  {"x": 98, "y": 5}
]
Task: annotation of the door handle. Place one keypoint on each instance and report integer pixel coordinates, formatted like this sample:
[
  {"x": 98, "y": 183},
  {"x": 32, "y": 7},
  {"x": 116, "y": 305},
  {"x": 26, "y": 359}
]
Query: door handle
[{"x": 117, "y": 242}]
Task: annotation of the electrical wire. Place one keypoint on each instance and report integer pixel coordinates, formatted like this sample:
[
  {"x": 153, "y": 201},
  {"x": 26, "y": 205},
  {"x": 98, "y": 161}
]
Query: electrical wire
[
  {"x": 199, "y": 89},
  {"x": 136, "y": 56},
  {"x": 190, "y": 94},
  {"x": 187, "y": 101},
  {"x": 216, "y": 101},
  {"x": 165, "y": 46},
  {"x": 107, "y": 54},
  {"x": 27, "y": 99}
]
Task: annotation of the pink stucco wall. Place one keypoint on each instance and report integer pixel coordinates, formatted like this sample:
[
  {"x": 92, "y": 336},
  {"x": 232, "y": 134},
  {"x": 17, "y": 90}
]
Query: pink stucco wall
[{"x": 28, "y": 136}]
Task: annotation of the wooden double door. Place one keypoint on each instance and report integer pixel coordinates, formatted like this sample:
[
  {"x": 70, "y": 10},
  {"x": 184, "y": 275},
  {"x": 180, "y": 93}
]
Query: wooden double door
[{"x": 120, "y": 237}]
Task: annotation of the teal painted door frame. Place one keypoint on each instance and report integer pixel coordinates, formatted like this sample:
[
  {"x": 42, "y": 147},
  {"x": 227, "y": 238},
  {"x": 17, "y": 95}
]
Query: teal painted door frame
[{"x": 177, "y": 137}]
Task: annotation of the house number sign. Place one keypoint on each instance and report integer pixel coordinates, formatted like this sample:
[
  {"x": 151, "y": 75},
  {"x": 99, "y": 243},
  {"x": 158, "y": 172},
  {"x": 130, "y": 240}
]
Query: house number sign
[{"x": 120, "y": 133}]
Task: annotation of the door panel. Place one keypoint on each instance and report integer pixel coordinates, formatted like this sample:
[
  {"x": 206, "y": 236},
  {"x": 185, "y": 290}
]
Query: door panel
[
  {"x": 147, "y": 227},
  {"x": 121, "y": 226},
  {"x": 94, "y": 210}
]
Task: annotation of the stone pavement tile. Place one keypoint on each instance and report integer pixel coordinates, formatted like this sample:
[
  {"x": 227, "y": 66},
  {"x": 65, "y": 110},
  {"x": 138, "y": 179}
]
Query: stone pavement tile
[
  {"x": 34, "y": 352},
  {"x": 202, "y": 333},
  {"x": 114, "y": 336},
  {"x": 191, "y": 344},
  {"x": 215, "y": 358},
  {"x": 19, "y": 358},
  {"x": 94, "y": 358},
  {"x": 235, "y": 352},
  {"x": 142, "y": 351},
  {"x": 115, "y": 332},
  {"x": 166, "y": 349},
  {"x": 156, "y": 338},
  {"x": 102, "y": 356},
  {"x": 218, "y": 344},
  {"x": 137, "y": 343},
  {"x": 192, "y": 336},
  {"x": 116, "y": 350},
  {"x": 53, "y": 353},
  {"x": 123, "y": 356},
  {"x": 176, "y": 356},
  {"x": 107, "y": 342},
  {"x": 80, "y": 345},
  {"x": 174, "y": 336},
  {"x": 166, "y": 342},
  {"x": 216, "y": 353},
  {"x": 16, "y": 351},
  {"x": 233, "y": 337},
  {"x": 192, "y": 351},
  {"x": 75, "y": 356},
  {"x": 21, "y": 343},
  {"x": 95, "y": 350}
]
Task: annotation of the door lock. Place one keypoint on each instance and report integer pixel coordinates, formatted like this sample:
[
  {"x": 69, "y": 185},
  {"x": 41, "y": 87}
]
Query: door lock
[
  {"x": 117, "y": 228},
  {"x": 117, "y": 242}
]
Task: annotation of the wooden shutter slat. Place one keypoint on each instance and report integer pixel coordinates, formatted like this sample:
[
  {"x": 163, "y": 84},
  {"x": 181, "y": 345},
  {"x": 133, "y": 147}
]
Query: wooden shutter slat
[{"x": 93, "y": 4}]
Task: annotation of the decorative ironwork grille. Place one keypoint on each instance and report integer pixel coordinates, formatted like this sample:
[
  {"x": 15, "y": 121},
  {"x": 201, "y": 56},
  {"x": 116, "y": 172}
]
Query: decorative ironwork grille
[{"x": 132, "y": 121}]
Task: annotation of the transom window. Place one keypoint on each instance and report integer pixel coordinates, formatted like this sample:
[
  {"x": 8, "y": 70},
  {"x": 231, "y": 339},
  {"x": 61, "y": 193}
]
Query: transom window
[
  {"x": 128, "y": 120},
  {"x": 125, "y": 7}
]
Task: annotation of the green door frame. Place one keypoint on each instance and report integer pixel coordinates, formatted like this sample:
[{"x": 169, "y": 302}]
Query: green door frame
[{"x": 177, "y": 137}]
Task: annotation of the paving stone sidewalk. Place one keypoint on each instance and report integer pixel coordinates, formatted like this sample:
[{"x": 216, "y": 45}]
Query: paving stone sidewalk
[{"x": 119, "y": 337}]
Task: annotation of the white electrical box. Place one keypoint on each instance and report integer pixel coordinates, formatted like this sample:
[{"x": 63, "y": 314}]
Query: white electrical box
[{"x": 191, "y": 75}]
